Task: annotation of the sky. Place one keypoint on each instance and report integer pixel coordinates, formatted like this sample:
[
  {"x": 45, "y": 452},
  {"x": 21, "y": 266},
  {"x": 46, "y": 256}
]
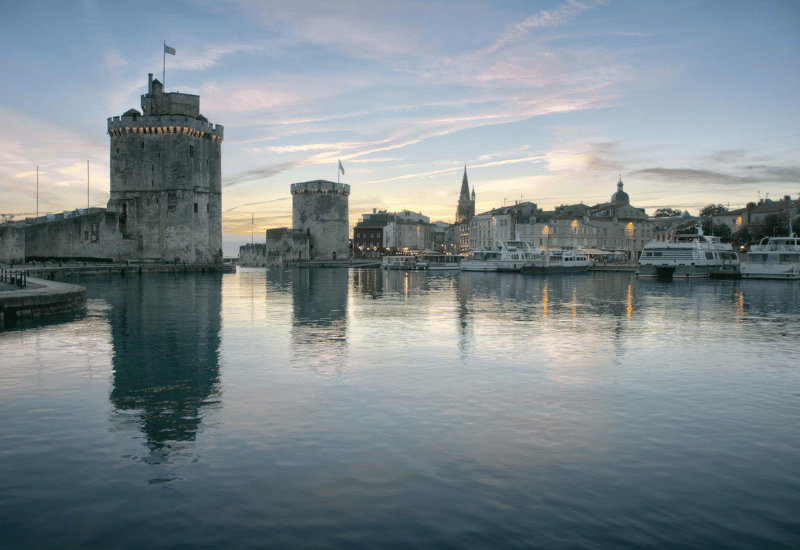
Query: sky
[{"x": 689, "y": 102}]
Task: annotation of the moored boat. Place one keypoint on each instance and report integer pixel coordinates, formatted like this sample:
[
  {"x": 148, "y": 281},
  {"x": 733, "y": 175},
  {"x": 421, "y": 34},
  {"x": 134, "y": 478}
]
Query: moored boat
[
  {"x": 564, "y": 260},
  {"x": 506, "y": 256},
  {"x": 687, "y": 255},
  {"x": 399, "y": 262},
  {"x": 439, "y": 262},
  {"x": 773, "y": 258}
]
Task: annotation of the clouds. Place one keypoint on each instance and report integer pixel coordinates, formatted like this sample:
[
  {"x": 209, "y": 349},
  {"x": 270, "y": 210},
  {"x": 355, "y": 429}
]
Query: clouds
[{"x": 550, "y": 99}]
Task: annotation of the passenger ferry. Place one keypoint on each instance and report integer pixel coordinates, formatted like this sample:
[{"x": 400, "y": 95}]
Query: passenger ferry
[
  {"x": 773, "y": 258},
  {"x": 562, "y": 260},
  {"x": 408, "y": 261},
  {"x": 687, "y": 256},
  {"x": 506, "y": 256},
  {"x": 439, "y": 262}
]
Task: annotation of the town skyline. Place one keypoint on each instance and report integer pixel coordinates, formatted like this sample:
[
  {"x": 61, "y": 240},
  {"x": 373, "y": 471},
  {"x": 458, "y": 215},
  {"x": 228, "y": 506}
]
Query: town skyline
[{"x": 548, "y": 102}]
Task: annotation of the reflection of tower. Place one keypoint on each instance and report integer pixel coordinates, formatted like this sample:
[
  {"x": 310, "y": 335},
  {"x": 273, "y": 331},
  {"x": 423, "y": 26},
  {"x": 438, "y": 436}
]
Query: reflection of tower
[
  {"x": 466, "y": 205},
  {"x": 166, "y": 178},
  {"x": 165, "y": 353},
  {"x": 320, "y": 209},
  {"x": 319, "y": 328}
]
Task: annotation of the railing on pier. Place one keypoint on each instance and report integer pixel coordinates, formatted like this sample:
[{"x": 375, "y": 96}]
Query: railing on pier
[{"x": 14, "y": 277}]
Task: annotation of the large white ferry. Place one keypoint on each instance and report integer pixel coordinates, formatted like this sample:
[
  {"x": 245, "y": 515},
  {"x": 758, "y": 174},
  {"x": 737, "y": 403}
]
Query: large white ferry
[
  {"x": 687, "y": 256},
  {"x": 506, "y": 256},
  {"x": 773, "y": 258}
]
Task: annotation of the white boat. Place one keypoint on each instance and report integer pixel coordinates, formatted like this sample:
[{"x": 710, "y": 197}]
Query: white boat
[
  {"x": 399, "y": 262},
  {"x": 688, "y": 255},
  {"x": 439, "y": 262},
  {"x": 506, "y": 256},
  {"x": 563, "y": 260},
  {"x": 773, "y": 258}
]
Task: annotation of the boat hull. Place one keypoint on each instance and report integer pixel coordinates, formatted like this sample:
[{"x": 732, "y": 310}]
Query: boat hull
[
  {"x": 674, "y": 271},
  {"x": 779, "y": 272}
]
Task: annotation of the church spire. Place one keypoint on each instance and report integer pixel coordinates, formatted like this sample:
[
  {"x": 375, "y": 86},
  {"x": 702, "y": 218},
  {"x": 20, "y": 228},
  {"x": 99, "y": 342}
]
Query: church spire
[
  {"x": 464, "y": 186},
  {"x": 466, "y": 204}
]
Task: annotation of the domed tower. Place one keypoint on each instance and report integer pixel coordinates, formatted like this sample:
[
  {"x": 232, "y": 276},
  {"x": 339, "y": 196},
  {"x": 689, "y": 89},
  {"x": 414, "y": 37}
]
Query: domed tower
[
  {"x": 620, "y": 197},
  {"x": 166, "y": 178},
  {"x": 320, "y": 209}
]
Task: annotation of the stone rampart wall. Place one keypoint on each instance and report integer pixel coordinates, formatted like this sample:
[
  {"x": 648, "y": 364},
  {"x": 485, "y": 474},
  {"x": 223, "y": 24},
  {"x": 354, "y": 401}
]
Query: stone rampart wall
[
  {"x": 93, "y": 236},
  {"x": 12, "y": 243}
]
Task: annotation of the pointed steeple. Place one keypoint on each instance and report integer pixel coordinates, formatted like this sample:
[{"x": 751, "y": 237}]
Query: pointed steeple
[
  {"x": 464, "y": 186},
  {"x": 466, "y": 205}
]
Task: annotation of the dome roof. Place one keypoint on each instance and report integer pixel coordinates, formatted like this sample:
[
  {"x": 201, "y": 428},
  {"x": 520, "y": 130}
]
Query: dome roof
[
  {"x": 132, "y": 112},
  {"x": 620, "y": 196}
]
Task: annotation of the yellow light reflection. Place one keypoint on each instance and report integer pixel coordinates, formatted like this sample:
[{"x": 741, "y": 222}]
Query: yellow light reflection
[
  {"x": 544, "y": 299},
  {"x": 629, "y": 302},
  {"x": 738, "y": 304}
]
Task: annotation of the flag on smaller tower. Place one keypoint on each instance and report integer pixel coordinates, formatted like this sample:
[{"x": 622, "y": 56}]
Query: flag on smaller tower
[
  {"x": 169, "y": 50},
  {"x": 341, "y": 168}
]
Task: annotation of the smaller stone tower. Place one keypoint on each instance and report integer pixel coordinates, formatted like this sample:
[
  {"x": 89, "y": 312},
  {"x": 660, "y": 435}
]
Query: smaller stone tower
[{"x": 320, "y": 209}]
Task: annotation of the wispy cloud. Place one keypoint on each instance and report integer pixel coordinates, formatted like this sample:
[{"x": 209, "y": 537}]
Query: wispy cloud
[{"x": 545, "y": 18}]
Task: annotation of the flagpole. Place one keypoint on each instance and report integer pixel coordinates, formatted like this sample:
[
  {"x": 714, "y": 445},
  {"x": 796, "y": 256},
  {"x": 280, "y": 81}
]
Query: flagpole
[
  {"x": 87, "y": 186},
  {"x": 164, "y": 69}
]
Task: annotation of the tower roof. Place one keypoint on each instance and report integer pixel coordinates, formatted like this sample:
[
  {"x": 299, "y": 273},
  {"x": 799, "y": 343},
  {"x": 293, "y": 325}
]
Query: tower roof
[
  {"x": 620, "y": 196},
  {"x": 464, "y": 186}
]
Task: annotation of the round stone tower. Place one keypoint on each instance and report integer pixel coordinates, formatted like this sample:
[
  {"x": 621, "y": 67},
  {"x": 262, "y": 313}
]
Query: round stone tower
[
  {"x": 320, "y": 209},
  {"x": 166, "y": 178}
]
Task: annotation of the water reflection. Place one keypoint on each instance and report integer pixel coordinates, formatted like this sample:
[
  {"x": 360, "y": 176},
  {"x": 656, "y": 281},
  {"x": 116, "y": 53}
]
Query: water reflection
[
  {"x": 166, "y": 368},
  {"x": 319, "y": 324}
]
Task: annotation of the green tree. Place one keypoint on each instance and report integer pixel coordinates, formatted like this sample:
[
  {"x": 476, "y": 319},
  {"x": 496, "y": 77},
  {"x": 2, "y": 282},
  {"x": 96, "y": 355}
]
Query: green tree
[
  {"x": 742, "y": 237},
  {"x": 776, "y": 225},
  {"x": 713, "y": 210},
  {"x": 666, "y": 213}
]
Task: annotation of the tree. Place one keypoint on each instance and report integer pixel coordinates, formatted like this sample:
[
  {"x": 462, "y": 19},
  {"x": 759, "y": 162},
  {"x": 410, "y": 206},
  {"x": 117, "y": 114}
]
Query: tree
[
  {"x": 776, "y": 225},
  {"x": 666, "y": 213},
  {"x": 713, "y": 210},
  {"x": 742, "y": 238}
]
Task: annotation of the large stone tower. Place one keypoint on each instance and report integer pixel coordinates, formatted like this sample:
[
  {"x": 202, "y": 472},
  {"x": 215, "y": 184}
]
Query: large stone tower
[
  {"x": 320, "y": 209},
  {"x": 166, "y": 178}
]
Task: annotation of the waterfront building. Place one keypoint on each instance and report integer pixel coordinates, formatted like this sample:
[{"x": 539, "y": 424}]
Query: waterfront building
[
  {"x": 383, "y": 231},
  {"x": 613, "y": 227},
  {"x": 499, "y": 224}
]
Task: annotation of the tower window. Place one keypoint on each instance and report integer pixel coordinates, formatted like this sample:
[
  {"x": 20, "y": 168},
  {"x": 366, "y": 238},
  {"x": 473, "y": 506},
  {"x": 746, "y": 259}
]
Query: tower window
[
  {"x": 195, "y": 208},
  {"x": 207, "y": 209},
  {"x": 191, "y": 151},
  {"x": 142, "y": 145}
]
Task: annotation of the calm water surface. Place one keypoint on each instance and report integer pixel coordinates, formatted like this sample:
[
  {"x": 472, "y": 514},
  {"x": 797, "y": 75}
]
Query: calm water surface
[{"x": 367, "y": 409}]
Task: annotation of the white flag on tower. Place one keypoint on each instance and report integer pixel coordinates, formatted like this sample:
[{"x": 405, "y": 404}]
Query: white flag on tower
[{"x": 341, "y": 168}]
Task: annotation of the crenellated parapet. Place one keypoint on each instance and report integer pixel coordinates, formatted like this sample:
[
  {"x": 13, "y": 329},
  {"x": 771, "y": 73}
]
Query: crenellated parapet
[
  {"x": 317, "y": 187},
  {"x": 165, "y": 124}
]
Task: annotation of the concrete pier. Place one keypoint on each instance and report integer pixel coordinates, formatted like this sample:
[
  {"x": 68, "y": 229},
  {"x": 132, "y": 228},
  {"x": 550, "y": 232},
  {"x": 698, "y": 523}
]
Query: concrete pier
[{"x": 38, "y": 299}]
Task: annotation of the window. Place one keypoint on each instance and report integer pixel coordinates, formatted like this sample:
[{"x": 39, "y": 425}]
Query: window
[
  {"x": 195, "y": 208},
  {"x": 191, "y": 151},
  {"x": 95, "y": 232},
  {"x": 208, "y": 207}
]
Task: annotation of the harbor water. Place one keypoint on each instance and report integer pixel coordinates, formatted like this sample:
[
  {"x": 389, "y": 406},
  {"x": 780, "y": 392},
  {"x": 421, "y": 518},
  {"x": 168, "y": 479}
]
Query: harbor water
[{"x": 335, "y": 408}]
